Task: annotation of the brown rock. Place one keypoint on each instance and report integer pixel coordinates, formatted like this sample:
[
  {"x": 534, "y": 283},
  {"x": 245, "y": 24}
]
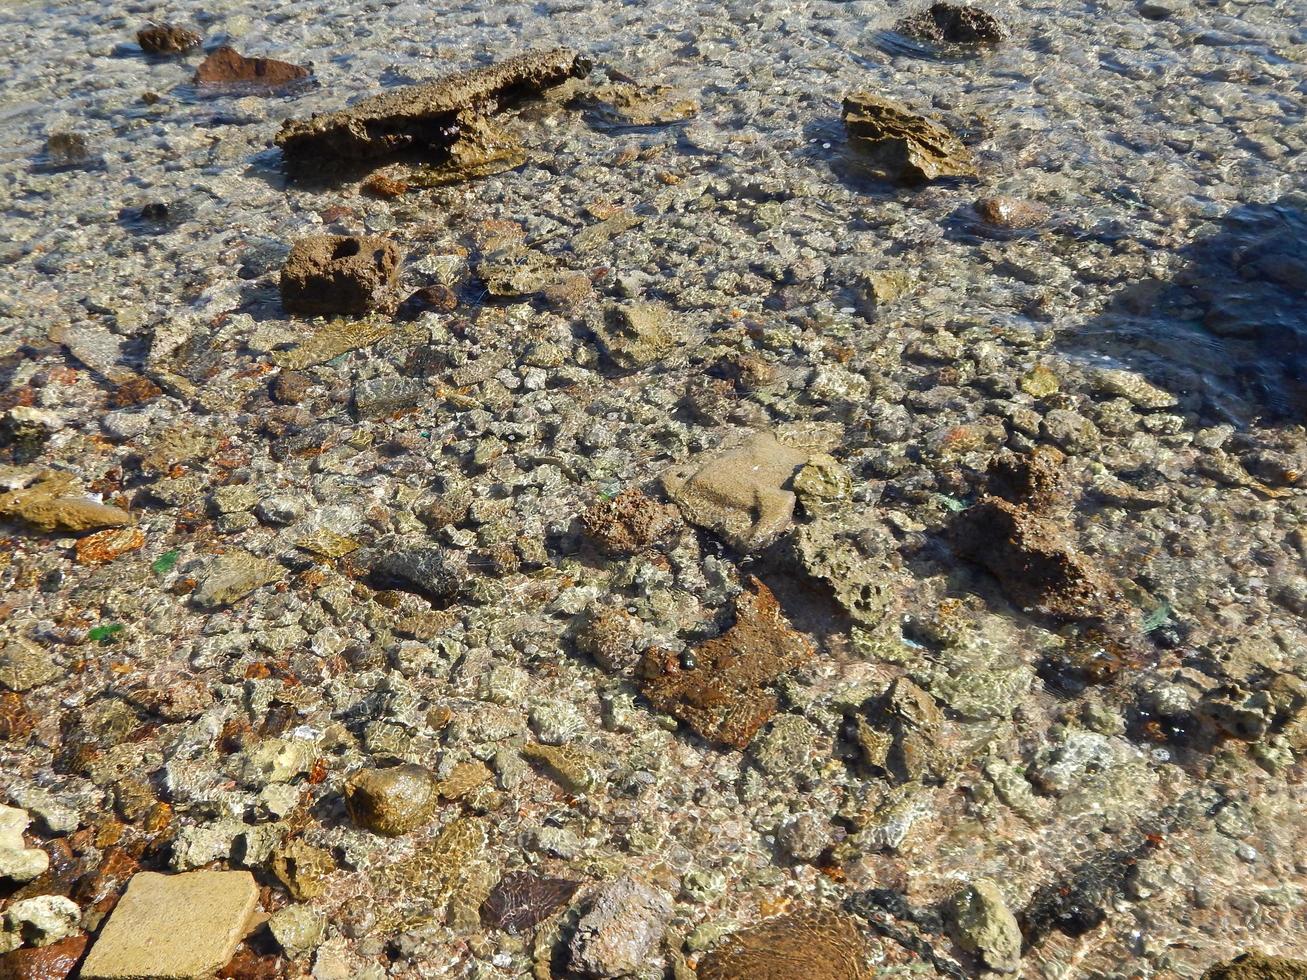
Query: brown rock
[
  {"x": 722, "y": 688},
  {"x": 628, "y": 523},
  {"x": 901, "y": 144},
  {"x": 104, "y": 546},
  {"x": 50, "y": 504},
  {"x": 302, "y": 868},
  {"x": 948, "y": 23},
  {"x": 813, "y": 945},
  {"x": 384, "y": 186},
  {"x": 167, "y": 39},
  {"x": 134, "y": 390},
  {"x": 1012, "y": 213},
  {"x": 340, "y": 274},
  {"x": 54, "y": 962},
  {"x": 391, "y": 802},
  {"x": 1258, "y": 966},
  {"x": 1034, "y": 479},
  {"x": 1036, "y": 562},
  {"x": 424, "y": 118},
  {"x": 225, "y": 66},
  {"x": 290, "y": 387},
  {"x": 177, "y": 926},
  {"x": 16, "y": 721}
]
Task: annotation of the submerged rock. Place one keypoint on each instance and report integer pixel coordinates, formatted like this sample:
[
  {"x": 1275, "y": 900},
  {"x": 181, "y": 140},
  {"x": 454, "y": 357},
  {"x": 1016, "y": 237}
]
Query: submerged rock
[
  {"x": 628, "y": 523},
  {"x": 740, "y": 494},
  {"x": 522, "y": 899},
  {"x": 623, "y": 103},
  {"x": 340, "y": 274},
  {"x": 620, "y": 933},
  {"x": 18, "y": 862},
  {"x": 49, "y": 504},
  {"x": 424, "y": 118},
  {"x": 234, "y": 576},
  {"x": 226, "y": 66},
  {"x": 162, "y": 38},
  {"x": 391, "y": 802},
  {"x": 636, "y": 335},
  {"x": 902, "y": 145},
  {"x": 986, "y": 926},
  {"x": 185, "y": 925},
  {"x": 1011, "y": 213},
  {"x": 808, "y": 945},
  {"x": 722, "y": 688},
  {"x": 1258, "y": 966},
  {"x": 481, "y": 149},
  {"x": 949, "y": 23}
]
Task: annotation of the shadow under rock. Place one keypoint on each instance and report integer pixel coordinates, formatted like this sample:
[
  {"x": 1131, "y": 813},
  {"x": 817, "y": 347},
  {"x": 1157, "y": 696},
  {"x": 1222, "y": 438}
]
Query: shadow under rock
[{"x": 1230, "y": 328}]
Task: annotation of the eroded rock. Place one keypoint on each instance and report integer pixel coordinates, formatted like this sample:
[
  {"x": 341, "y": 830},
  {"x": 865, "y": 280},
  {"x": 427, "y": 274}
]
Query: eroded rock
[
  {"x": 628, "y": 523},
  {"x": 722, "y": 689},
  {"x": 949, "y": 23},
  {"x": 808, "y": 945},
  {"x": 987, "y": 927},
  {"x": 163, "y": 38},
  {"x": 327, "y": 274},
  {"x": 52, "y": 504},
  {"x": 901, "y": 144},
  {"x": 391, "y": 802},
  {"x": 620, "y": 933}
]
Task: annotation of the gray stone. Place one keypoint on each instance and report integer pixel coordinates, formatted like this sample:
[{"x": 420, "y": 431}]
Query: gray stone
[
  {"x": 18, "y": 862},
  {"x": 620, "y": 933},
  {"x": 43, "y": 920},
  {"x": 298, "y": 929},
  {"x": 987, "y": 927}
]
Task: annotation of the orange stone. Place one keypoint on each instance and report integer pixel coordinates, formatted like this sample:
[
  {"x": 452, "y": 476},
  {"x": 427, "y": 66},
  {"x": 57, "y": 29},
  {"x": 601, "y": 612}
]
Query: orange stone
[{"x": 104, "y": 546}]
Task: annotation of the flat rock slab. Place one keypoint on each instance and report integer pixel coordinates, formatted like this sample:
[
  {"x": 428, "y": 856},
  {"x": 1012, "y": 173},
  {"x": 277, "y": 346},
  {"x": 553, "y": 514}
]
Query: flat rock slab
[{"x": 174, "y": 926}]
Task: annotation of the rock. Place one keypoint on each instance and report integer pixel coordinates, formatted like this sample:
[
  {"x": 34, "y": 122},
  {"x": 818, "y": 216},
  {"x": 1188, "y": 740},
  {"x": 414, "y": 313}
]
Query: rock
[
  {"x": 786, "y": 747},
  {"x": 327, "y": 274},
  {"x": 574, "y": 768},
  {"x": 628, "y": 523},
  {"x": 1258, "y": 966},
  {"x": 823, "y": 485},
  {"x": 480, "y": 150},
  {"x": 985, "y": 926},
  {"x": 225, "y": 66},
  {"x": 43, "y": 920},
  {"x": 446, "y": 879},
  {"x": 49, "y": 505},
  {"x": 808, "y": 945},
  {"x": 636, "y": 335},
  {"x": 900, "y": 737},
  {"x": 162, "y": 38},
  {"x": 1011, "y": 213},
  {"x": 722, "y": 687},
  {"x": 612, "y": 636},
  {"x": 175, "y": 926},
  {"x": 440, "y": 574},
  {"x": 290, "y": 387},
  {"x": 424, "y": 118},
  {"x": 18, "y": 862},
  {"x": 522, "y": 899},
  {"x": 275, "y": 760},
  {"x": 66, "y": 150},
  {"x": 622, "y": 103},
  {"x": 1035, "y": 479},
  {"x": 741, "y": 494},
  {"x": 947, "y": 23},
  {"x": 105, "y": 546},
  {"x": 302, "y": 868},
  {"x": 234, "y": 576},
  {"x": 1132, "y": 387},
  {"x": 1036, "y": 562},
  {"x": 16, "y": 720},
  {"x": 620, "y": 933},
  {"x": 298, "y": 929},
  {"x": 378, "y": 398},
  {"x": 56, "y": 961},
  {"x": 804, "y": 837},
  {"x": 25, "y": 665},
  {"x": 336, "y": 337},
  {"x": 831, "y": 553},
  {"x": 902, "y": 145},
  {"x": 391, "y": 802}
]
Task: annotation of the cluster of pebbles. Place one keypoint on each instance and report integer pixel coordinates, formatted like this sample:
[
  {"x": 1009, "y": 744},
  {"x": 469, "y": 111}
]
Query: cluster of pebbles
[{"x": 738, "y": 491}]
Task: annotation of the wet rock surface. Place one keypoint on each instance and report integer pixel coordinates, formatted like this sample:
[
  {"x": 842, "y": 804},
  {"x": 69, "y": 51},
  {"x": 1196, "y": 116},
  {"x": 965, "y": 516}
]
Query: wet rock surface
[
  {"x": 900, "y": 144},
  {"x": 227, "y": 66},
  {"x": 167, "y": 39},
  {"x": 947, "y": 23},
  {"x": 340, "y": 274},
  {"x": 821, "y": 945}
]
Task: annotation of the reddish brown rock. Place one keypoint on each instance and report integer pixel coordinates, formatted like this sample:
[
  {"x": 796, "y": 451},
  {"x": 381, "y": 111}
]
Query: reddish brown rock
[
  {"x": 722, "y": 687},
  {"x": 54, "y": 962},
  {"x": 327, "y": 274},
  {"x": 16, "y": 721},
  {"x": 1012, "y": 213},
  {"x": 814, "y": 945},
  {"x": 1258, "y": 966},
  {"x": 226, "y": 66},
  {"x": 1034, "y": 479},
  {"x": 628, "y": 523},
  {"x": 104, "y": 546},
  {"x": 167, "y": 39}
]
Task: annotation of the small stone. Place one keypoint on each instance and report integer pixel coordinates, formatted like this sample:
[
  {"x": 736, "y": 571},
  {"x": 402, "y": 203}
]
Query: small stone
[
  {"x": 234, "y": 576},
  {"x": 740, "y": 494},
  {"x": 440, "y": 574},
  {"x": 576, "y": 769},
  {"x": 25, "y": 665},
  {"x": 174, "y": 926},
  {"x": 620, "y": 933},
  {"x": 823, "y": 485},
  {"x": 948, "y": 23},
  {"x": 106, "y": 546},
  {"x": 167, "y": 39},
  {"x": 987, "y": 927},
  {"x": 1011, "y": 213},
  {"x": 636, "y": 335},
  {"x": 225, "y": 66},
  {"x": 901, "y": 144},
  {"x": 298, "y": 929},
  {"x": 43, "y": 920},
  {"x": 49, "y": 505},
  {"x": 804, "y": 837},
  {"x": 1040, "y": 382},
  {"x": 391, "y": 802},
  {"x": 54, "y": 962},
  {"x": 327, "y": 274},
  {"x": 628, "y": 523},
  {"x": 1070, "y": 430},
  {"x": 302, "y": 868},
  {"x": 381, "y": 397},
  {"x": 290, "y": 387},
  {"x": 1133, "y": 388},
  {"x": 18, "y": 862}
]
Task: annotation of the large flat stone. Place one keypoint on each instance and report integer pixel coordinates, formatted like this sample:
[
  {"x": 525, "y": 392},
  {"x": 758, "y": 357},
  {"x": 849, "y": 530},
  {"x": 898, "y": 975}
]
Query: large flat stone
[{"x": 174, "y": 926}]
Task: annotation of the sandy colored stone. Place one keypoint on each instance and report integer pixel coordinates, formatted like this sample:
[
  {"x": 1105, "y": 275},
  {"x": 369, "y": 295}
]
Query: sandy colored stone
[
  {"x": 174, "y": 926},
  {"x": 52, "y": 504},
  {"x": 740, "y": 494},
  {"x": 226, "y": 66},
  {"x": 809, "y": 945},
  {"x": 1258, "y": 966},
  {"x": 340, "y": 274},
  {"x": 902, "y": 144}
]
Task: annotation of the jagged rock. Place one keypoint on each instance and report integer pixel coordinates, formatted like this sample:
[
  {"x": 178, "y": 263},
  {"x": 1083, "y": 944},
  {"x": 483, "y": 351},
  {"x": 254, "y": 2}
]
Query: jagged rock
[
  {"x": 636, "y": 335},
  {"x": 167, "y": 39},
  {"x": 862, "y": 583},
  {"x": 480, "y": 150},
  {"x": 987, "y": 927},
  {"x": 722, "y": 688},
  {"x": 1011, "y": 213},
  {"x": 808, "y": 945},
  {"x": 620, "y": 933},
  {"x": 18, "y": 862},
  {"x": 948, "y": 23},
  {"x": 391, "y": 802},
  {"x": 741, "y": 494},
  {"x": 226, "y": 66},
  {"x": 57, "y": 961},
  {"x": 185, "y": 925},
  {"x": 622, "y": 103},
  {"x": 234, "y": 576},
  {"x": 628, "y": 523},
  {"x": 424, "y": 118},
  {"x": 901, "y": 144},
  {"x": 340, "y": 274}
]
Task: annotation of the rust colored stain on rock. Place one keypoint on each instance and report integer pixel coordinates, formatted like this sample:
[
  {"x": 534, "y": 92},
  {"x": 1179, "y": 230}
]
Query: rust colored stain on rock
[
  {"x": 722, "y": 689},
  {"x": 54, "y": 962}
]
